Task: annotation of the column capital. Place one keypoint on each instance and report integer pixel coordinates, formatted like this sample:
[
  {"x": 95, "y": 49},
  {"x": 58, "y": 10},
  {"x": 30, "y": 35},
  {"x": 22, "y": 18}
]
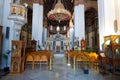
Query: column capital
[
  {"x": 35, "y": 1},
  {"x": 38, "y": 1},
  {"x": 77, "y": 2}
]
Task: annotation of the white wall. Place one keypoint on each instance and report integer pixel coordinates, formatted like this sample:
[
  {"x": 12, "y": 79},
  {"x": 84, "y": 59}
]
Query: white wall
[
  {"x": 37, "y": 24},
  {"x": 109, "y": 10},
  {"x": 117, "y": 14},
  {"x": 79, "y": 22},
  {"x": 106, "y": 13}
]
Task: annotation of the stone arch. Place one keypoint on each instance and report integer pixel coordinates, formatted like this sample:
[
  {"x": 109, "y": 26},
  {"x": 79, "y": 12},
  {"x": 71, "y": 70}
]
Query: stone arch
[{"x": 91, "y": 28}]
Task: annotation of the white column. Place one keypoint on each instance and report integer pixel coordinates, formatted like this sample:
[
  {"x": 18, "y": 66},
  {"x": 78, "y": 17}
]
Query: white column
[
  {"x": 106, "y": 13},
  {"x": 71, "y": 37},
  {"x": 1, "y": 11},
  {"x": 44, "y": 36},
  {"x": 79, "y": 22},
  {"x": 37, "y": 24},
  {"x": 6, "y": 23},
  {"x": 101, "y": 23}
]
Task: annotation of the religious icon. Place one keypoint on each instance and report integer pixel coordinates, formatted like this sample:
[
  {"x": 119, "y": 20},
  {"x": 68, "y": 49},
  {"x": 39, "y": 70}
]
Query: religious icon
[
  {"x": 20, "y": 11},
  {"x": 13, "y": 10},
  {"x": 83, "y": 44}
]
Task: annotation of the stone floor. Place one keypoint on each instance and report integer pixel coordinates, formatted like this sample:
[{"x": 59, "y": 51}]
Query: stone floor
[{"x": 60, "y": 72}]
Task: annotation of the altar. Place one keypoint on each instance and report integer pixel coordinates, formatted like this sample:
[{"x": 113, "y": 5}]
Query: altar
[{"x": 58, "y": 43}]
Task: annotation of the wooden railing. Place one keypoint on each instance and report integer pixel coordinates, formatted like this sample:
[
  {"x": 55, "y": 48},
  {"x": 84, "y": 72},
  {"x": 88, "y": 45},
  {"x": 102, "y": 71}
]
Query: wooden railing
[
  {"x": 73, "y": 57},
  {"x": 40, "y": 57}
]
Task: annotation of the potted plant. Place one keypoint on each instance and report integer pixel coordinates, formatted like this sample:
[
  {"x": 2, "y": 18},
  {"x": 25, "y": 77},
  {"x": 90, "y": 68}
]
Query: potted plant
[
  {"x": 6, "y": 56},
  {"x": 39, "y": 48}
]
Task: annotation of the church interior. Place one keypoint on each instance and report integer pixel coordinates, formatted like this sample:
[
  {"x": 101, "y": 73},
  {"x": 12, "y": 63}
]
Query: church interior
[{"x": 59, "y": 40}]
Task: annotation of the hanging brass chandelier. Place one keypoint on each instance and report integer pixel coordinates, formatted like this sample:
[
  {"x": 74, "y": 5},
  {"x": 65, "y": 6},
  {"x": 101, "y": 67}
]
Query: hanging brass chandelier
[{"x": 59, "y": 13}]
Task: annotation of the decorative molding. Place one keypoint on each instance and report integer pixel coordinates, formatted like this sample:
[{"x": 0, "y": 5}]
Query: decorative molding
[
  {"x": 41, "y": 2},
  {"x": 38, "y": 1},
  {"x": 76, "y": 2},
  {"x": 35, "y": 1}
]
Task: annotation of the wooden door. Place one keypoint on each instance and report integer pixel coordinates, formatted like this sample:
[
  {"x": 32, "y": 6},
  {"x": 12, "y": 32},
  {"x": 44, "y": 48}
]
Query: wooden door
[{"x": 57, "y": 48}]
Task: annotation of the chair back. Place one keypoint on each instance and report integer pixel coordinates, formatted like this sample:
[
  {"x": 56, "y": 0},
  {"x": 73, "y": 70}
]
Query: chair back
[
  {"x": 43, "y": 58},
  {"x": 29, "y": 57}
]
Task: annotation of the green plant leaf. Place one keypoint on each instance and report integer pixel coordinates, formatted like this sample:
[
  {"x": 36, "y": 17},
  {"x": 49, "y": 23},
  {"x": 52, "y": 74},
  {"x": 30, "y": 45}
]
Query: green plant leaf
[
  {"x": 8, "y": 52},
  {"x": 5, "y": 56}
]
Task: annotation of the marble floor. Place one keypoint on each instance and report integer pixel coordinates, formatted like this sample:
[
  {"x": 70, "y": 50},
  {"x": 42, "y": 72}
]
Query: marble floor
[{"x": 60, "y": 72}]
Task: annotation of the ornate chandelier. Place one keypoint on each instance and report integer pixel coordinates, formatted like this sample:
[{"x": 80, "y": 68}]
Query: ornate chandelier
[{"x": 59, "y": 13}]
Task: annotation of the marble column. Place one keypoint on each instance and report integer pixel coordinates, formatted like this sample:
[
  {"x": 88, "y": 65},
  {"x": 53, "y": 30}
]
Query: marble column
[
  {"x": 6, "y": 23},
  {"x": 1, "y": 11},
  {"x": 37, "y": 24},
  {"x": 79, "y": 21},
  {"x": 71, "y": 37},
  {"x": 44, "y": 36}
]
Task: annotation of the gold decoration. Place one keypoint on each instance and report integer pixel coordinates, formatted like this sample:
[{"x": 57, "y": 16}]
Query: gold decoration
[{"x": 59, "y": 13}]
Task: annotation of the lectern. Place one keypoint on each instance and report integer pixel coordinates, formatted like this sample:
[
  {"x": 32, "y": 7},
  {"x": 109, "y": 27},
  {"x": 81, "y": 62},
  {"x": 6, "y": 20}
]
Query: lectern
[{"x": 18, "y": 57}]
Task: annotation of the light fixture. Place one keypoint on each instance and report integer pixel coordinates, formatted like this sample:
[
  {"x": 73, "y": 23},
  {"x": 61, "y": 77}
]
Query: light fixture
[
  {"x": 58, "y": 28},
  {"x": 51, "y": 27},
  {"x": 64, "y": 28},
  {"x": 59, "y": 13}
]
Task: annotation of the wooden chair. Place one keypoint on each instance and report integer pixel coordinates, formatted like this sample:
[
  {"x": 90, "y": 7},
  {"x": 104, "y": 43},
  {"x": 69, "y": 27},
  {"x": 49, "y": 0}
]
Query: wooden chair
[
  {"x": 112, "y": 52},
  {"x": 36, "y": 59},
  {"x": 93, "y": 60},
  {"x": 79, "y": 61},
  {"x": 43, "y": 60},
  {"x": 102, "y": 62},
  {"x": 30, "y": 60}
]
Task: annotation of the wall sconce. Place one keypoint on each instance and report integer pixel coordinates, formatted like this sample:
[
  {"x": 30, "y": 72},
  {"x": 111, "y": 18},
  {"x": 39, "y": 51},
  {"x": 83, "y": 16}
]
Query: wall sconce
[{"x": 115, "y": 26}]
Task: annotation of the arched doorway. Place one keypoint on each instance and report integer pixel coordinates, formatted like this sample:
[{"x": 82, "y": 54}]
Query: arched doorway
[
  {"x": 92, "y": 28},
  {"x": 58, "y": 43}
]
